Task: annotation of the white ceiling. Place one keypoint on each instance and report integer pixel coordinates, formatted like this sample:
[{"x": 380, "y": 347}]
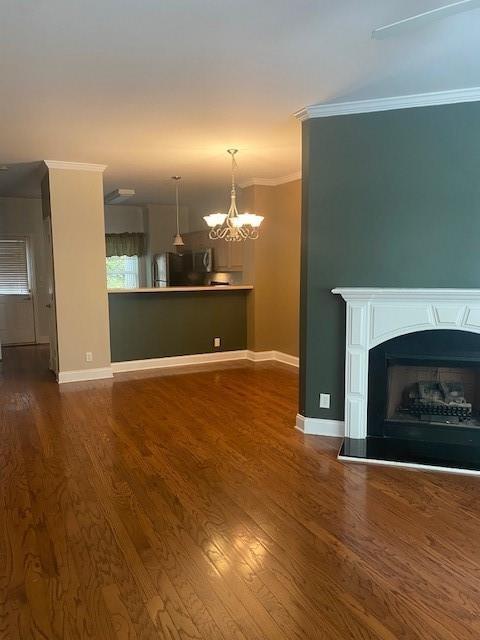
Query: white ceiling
[{"x": 156, "y": 88}]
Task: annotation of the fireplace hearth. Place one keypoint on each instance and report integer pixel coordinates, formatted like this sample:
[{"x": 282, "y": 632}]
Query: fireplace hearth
[{"x": 412, "y": 395}]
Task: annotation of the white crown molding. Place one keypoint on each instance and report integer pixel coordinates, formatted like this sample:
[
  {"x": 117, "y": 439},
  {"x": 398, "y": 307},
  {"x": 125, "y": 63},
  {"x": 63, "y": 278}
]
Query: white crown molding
[
  {"x": 320, "y": 426},
  {"x": 75, "y": 166},
  {"x": 271, "y": 182},
  {"x": 472, "y": 94}
]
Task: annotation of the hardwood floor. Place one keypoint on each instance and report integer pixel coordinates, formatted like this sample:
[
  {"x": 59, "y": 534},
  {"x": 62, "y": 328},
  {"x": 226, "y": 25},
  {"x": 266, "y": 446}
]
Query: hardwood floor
[{"x": 185, "y": 506}]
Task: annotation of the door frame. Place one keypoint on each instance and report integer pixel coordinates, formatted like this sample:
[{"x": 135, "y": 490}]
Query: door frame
[
  {"x": 52, "y": 303},
  {"x": 31, "y": 273}
]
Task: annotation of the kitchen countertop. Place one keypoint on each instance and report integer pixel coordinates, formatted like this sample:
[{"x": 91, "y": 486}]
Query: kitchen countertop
[{"x": 228, "y": 287}]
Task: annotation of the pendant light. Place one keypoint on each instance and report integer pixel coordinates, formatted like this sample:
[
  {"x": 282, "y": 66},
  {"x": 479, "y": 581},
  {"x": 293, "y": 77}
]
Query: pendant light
[
  {"x": 233, "y": 226},
  {"x": 177, "y": 240}
]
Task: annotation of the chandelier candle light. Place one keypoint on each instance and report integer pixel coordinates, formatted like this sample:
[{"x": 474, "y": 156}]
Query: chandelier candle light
[
  {"x": 233, "y": 226},
  {"x": 177, "y": 240}
]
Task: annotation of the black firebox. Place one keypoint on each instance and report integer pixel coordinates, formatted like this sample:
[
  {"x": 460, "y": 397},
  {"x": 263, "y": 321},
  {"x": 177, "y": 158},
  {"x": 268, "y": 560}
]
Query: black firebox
[{"x": 424, "y": 401}]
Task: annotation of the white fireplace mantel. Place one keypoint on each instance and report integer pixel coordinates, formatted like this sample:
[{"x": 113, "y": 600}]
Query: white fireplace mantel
[{"x": 376, "y": 315}]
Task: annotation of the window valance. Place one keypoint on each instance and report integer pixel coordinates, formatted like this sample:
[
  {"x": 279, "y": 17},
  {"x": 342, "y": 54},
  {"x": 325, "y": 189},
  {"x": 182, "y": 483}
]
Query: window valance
[{"x": 125, "y": 244}]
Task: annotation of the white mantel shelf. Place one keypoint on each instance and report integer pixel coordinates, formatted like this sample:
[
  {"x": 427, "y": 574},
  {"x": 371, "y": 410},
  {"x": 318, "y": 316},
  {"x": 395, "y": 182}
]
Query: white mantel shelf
[
  {"x": 216, "y": 288},
  {"x": 375, "y": 315},
  {"x": 378, "y": 293}
]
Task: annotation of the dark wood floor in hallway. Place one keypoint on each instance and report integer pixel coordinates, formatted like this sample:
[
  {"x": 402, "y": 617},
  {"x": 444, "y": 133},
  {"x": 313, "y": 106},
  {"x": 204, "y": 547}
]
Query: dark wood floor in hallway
[{"x": 183, "y": 505}]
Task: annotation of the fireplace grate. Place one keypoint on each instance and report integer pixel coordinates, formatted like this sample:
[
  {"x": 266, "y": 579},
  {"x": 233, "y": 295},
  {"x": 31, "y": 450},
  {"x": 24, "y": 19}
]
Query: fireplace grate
[{"x": 425, "y": 410}]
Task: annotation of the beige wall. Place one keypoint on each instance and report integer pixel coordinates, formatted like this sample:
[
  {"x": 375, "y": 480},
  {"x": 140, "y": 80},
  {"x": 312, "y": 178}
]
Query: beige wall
[
  {"x": 78, "y": 237},
  {"x": 124, "y": 218},
  {"x": 286, "y": 237},
  {"x": 161, "y": 228},
  {"x": 209, "y": 200},
  {"x": 273, "y": 267}
]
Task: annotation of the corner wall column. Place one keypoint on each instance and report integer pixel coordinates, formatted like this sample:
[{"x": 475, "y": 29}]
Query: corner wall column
[{"x": 79, "y": 270}]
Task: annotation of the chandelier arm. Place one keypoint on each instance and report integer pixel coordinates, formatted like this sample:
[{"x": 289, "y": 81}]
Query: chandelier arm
[{"x": 222, "y": 232}]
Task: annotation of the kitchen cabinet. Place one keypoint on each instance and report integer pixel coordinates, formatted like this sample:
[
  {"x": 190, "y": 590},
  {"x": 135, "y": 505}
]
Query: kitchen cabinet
[
  {"x": 227, "y": 256},
  {"x": 197, "y": 240},
  {"x": 220, "y": 255},
  {"x": 236, "y": 255}
]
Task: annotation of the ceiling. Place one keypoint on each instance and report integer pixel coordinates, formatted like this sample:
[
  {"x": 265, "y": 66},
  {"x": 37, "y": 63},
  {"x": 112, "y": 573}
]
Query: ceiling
[{"x": 156, "y": 88}]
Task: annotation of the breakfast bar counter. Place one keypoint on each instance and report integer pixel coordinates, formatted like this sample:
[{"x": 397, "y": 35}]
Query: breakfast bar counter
[
  {"x": 205, "y": 288},
  {"x": 177, "y": 321}
]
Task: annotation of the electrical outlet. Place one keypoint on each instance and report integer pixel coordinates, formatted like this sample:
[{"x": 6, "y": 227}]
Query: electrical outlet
[
  {"x": 324, "y": 401},
  {"x": 216, "y": 342},
  {"x": 88, "y": 356}
]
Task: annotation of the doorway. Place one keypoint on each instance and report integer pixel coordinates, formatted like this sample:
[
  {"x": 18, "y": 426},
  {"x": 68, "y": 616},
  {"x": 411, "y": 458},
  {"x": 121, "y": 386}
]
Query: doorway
[{"x": 17, "y": 310}]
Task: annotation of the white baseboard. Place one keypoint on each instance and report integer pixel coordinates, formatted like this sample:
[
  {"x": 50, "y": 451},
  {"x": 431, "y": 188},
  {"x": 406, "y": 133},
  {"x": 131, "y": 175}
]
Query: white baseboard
[
  {"x": 286, "y": 358},
  {"x": 260, "y": 356},
  {"x": 320, "y": 426},
  {"x": 203, "y": 358},
  {"x": 176, "y": 361},
  {"x": 278, "y": 356},
  {"x": 84, "y": 374}
]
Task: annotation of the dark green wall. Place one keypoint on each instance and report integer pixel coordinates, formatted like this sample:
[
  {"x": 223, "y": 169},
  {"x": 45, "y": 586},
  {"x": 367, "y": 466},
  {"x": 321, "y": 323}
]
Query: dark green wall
[
  {"x": 154, "y": 325},
  {"x": 391, "y": 199}
]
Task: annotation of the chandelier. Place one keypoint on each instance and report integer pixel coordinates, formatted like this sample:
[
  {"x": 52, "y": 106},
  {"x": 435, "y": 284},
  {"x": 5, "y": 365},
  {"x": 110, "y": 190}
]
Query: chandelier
[
  {"x": 177, "y": 239},
  {"x": 233, "y": 226}
]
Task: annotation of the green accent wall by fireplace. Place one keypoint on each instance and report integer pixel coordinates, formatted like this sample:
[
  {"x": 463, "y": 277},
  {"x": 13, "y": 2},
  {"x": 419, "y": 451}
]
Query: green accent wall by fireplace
[
  {"x": 390, "y": 199},
  {"x": 155, "y": 325}
]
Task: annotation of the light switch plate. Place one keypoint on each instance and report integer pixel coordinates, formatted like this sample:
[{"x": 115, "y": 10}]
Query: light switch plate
[
  {"x": 324, "y": 401},
  {"x": 216, "y": 342}
]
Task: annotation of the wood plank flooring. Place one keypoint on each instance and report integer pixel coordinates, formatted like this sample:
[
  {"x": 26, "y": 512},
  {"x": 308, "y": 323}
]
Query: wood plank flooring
[{"x": 183, "y": 505}]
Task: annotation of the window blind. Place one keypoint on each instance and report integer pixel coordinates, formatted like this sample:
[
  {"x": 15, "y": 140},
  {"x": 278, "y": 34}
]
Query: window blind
[
  {"x": 122, "y": 272},
  {"x": 13, "y": 267}
]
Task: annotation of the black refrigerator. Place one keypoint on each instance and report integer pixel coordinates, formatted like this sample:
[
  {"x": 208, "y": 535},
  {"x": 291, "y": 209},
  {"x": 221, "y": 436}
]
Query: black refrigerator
[{"x": 176, "y": 270}]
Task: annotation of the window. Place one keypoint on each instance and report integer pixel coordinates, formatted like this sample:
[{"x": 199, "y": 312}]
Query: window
[
  {"x": 14, "y": 276},
  {"x": 122, "y": 272}
]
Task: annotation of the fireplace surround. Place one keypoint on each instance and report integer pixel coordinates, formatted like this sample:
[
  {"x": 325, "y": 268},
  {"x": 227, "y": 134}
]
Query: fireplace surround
[{"x": 412, "y": 377}]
